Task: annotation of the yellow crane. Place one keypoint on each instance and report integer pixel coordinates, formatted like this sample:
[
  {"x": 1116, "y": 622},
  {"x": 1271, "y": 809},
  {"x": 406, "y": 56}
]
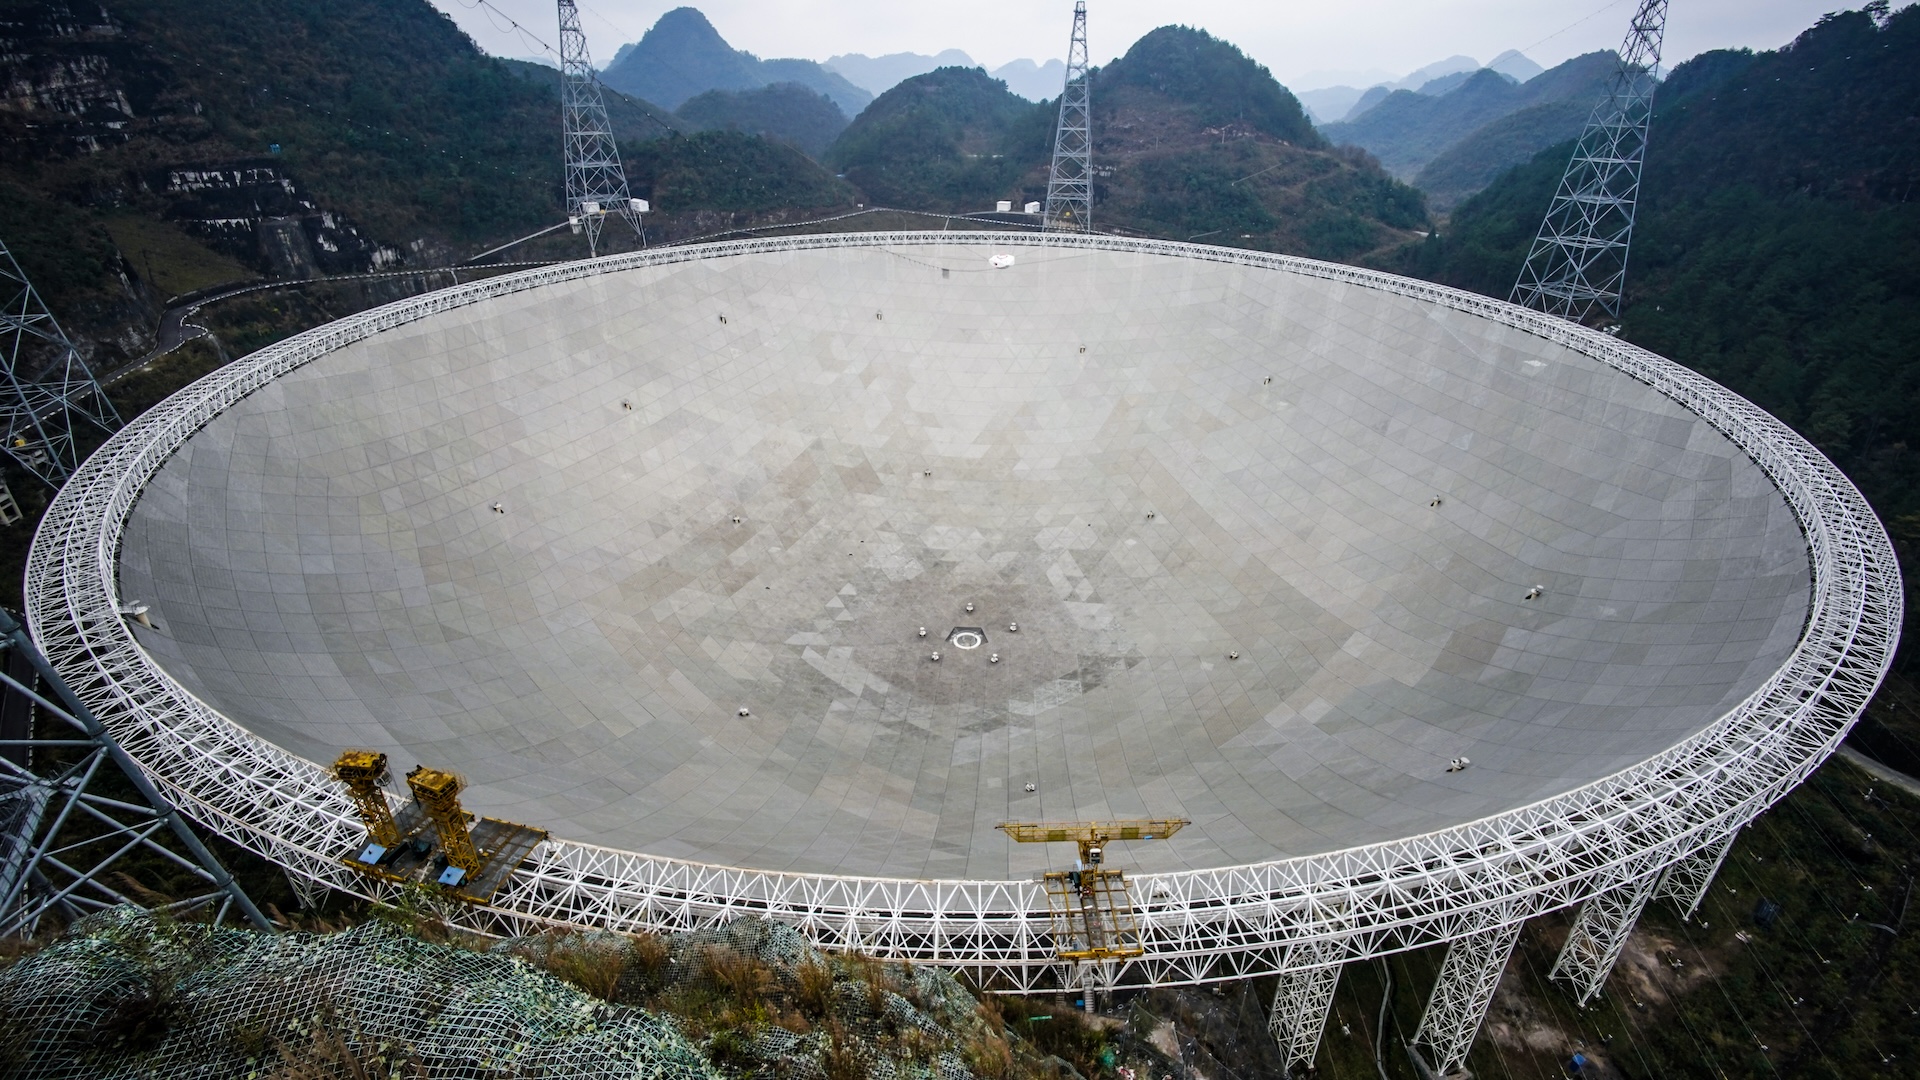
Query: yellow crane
[
  {"x": 1091, "y": 906},
  {"x": 434, "y": 837},
  {"x": 438, "y": 793},
  {"x": 364, "y": 773}
]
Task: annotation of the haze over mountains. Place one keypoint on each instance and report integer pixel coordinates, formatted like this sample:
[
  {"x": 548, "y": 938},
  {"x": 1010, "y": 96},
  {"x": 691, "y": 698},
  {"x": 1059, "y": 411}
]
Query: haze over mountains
[
  {"x": 1410, "y": 130},
  {"x": 1346, "y": 100},
  {"x": 878, "y": 74},
  {"x": 1448, "y": 127}
]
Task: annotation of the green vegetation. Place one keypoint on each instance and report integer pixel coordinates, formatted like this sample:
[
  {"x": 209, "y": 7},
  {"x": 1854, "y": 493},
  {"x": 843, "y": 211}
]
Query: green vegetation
[
  {"x": 726, "y": 170},
  {"x": 1211, "y": 79},
  {"x": 73, "y": 263},
  {"x": 386, "y": 110},
  {"x": 1247, "y": 193},
  {"x": 1476, "y": 160},
  {"x": 1409, "y": 131},
  {"x": 1194, "y": 140},
  {"x": 168, "y": 258},
  {"x": 952, "y": 139},
  {"x": 629, "y": 117},
  {"x": 785, "y": 111}
]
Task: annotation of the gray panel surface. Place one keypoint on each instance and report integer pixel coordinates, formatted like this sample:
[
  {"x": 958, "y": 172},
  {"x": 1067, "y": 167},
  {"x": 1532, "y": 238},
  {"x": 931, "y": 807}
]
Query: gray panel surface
[{"x": 904, "y": 432}]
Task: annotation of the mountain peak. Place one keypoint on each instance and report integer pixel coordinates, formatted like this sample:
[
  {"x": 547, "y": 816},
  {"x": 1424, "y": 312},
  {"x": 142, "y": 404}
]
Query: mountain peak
[
  {"x": 684, "y": 20},
  {"x": 1515, "y": 64},
  {"x": 682, "y": 56},
  {"x": 1221, "y": 84}
]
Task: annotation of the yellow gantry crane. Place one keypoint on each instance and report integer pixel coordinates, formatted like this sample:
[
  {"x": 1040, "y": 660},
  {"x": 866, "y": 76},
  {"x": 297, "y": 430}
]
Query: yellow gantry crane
[
  {"x": 433, "y": 836},
  {"x": 1091, "y": 906},
  {"x": 438, "y": 794},
  {"x": 365, "y": 775}
]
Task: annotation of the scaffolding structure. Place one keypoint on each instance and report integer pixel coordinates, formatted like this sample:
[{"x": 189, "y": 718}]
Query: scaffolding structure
[
  {"x": 1577, "y": 266},
  {"x": 1599, "y": 935},
  {"x": 49, "y": 389},
  {"x": 596, "y": 184},
  {"x": 1461, "y": 995},
  {"x": 1070, "y": 182},
  {"x": 64, "y": 829},
  {"x": 1304, "y": 996}
]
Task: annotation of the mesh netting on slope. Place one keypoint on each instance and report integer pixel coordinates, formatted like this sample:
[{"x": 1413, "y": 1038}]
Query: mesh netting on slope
[
  {"x": 872, "y": 1004},
  {"x": 127, "y": 995}
]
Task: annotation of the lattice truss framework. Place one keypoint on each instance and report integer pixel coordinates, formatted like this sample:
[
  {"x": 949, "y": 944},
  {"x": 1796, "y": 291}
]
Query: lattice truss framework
[
  {"x": 1309, "y": 974},
  {"x": 48, "y": 387},
  {"x": 1468, "y": 977},
  {"x": 1684, "y": 884},
  {"x": 61, "y": 835},
  {"x": 1599, "y": 933},
  {"x": 596, "y": 183},
  {"x": 1577, "y": 266},
  {"x": 1196, "y": 926},
  {"x": 1070, "y": 181}
]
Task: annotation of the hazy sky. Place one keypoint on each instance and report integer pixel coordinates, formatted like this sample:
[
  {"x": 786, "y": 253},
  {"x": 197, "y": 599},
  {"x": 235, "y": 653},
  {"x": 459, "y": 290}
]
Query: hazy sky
[{"x": 1295, "y": 39}]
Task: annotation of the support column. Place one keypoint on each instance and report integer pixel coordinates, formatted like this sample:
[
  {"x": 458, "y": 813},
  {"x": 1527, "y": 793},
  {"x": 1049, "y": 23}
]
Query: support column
[
  {"x": 1091, "y": 979},
  {"x": 1461, "y": 996},
  {"x": 1685, "y": 883},
  {"x": 1308, "y": 975},
  {"x": 1599, "y": 933}
]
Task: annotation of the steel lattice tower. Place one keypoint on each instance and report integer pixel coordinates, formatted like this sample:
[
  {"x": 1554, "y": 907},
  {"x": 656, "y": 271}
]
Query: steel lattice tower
[
  {"x": 1070, "y": 184},
  {"x": 63, "y": 832},
  {"x": 1578, "y": 263},
  {"x": 48, "y": 385},
  {"x": 596, "y": 184}
]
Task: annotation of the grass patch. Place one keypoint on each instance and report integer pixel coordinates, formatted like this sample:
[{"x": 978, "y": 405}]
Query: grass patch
[{"x": 171, "y": 261}]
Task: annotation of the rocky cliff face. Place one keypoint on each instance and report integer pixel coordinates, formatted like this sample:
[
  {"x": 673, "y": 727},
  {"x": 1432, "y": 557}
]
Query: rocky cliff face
[{"x": 95, "y": 121}]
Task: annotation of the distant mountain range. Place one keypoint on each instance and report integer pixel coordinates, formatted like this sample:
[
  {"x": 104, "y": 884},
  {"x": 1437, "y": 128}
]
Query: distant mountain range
[
  {"x": 1344, "y": 101},
  {"x": 1448, "y": 127},
  {"x": 1456, "y": 133},
  {"x": 878, "y": 74},
  {"x": 682, "y": 56}
]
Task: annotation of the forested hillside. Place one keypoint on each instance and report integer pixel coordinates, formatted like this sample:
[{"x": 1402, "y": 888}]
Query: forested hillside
[
  {"x": 1192, "y": 139},
  {"x": 732, "y": 172},
  {"x": 153, "y": 147},
  {"x": 953, "y": 139},
  {"x": 785, "y": 111},
  {"x": 1776, "y": 241}
]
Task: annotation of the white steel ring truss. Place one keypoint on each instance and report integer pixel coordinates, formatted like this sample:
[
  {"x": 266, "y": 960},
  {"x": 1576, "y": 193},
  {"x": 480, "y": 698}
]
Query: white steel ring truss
[{"x": 1197, "y": 926}]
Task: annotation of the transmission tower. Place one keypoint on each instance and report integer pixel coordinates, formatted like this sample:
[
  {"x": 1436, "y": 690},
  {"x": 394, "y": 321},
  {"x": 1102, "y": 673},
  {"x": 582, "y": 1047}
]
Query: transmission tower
[
  {"x": 1578, "y": 264},
  {"x": 596, "y": 184},
  {"x": 48, "y": 386},
  {"x": 1070, "y": 184},
  {"x": 65, "y": 828}
]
